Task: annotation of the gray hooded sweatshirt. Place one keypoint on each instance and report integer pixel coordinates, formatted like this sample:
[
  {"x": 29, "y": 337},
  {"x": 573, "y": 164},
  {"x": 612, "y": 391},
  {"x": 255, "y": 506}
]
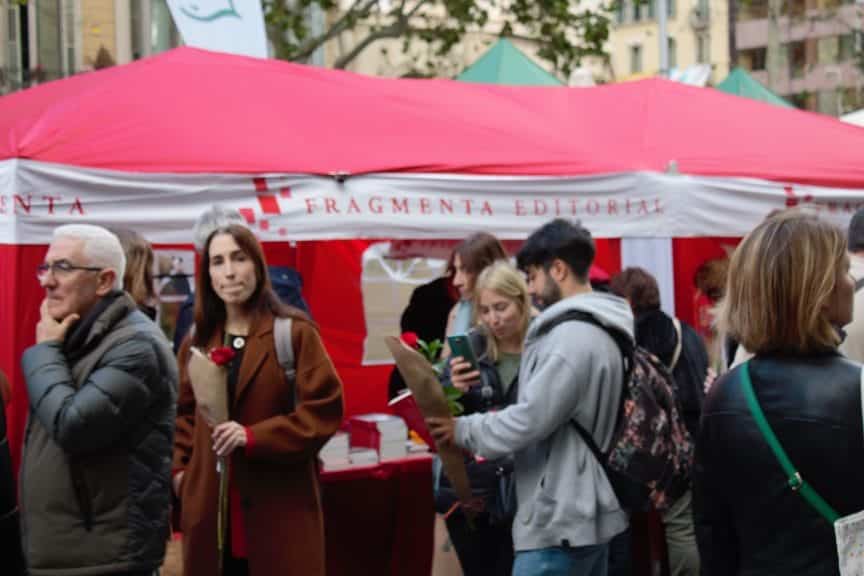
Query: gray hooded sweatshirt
[{"x": 574, "y": 371}]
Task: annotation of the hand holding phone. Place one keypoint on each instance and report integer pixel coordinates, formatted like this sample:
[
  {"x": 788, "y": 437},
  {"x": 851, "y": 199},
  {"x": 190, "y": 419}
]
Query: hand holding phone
[{"x": 464, "y": 371}]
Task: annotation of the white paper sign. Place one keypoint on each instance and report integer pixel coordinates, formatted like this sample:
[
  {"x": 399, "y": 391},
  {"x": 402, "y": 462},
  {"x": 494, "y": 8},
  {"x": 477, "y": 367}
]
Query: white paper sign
[
  {"x": 850, "y": 544},
  {"x": 233, "y": 26}
]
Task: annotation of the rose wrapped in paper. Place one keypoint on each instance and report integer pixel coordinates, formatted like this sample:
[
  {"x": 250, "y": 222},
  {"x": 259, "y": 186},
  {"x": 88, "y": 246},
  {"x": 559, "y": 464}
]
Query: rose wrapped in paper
[
  {"x": 208, "y": 376},
  {"x": 429, "y": 395}
]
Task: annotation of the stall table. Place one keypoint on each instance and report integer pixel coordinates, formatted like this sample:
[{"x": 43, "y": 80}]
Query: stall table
[{"x": 380, "y": 519}]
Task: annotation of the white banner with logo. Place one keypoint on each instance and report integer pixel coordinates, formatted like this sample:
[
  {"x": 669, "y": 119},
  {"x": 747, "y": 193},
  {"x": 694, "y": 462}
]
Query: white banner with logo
[
  {"x": 233, "y": 26},
  {"x": 36, "y": 197}
]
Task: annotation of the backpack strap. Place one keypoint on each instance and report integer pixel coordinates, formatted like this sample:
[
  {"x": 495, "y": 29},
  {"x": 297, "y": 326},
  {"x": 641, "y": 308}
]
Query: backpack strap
[
  {"x": 624, "y": 343},
  {"x": 627, "y": 348},
  {"x": 680, "y": 342},
  {"x": 285, "y": 351},
  {"x": 284, "y": 347}
]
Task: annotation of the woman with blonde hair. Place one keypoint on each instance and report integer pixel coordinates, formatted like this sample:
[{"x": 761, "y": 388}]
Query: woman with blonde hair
[
  {"x": 138, "y": 277},
  {"x": 502, "y": 311},
  {"x": 788, "y": 294}
]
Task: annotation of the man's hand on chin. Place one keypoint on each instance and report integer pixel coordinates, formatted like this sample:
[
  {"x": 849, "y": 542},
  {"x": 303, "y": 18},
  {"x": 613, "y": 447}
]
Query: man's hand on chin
[{"x": 50, "y": 330}]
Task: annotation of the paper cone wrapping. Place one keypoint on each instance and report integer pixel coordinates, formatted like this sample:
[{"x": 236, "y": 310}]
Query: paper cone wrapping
[
  {"x": 429, "y": 396},
  {"x": 210, "y": 386}
]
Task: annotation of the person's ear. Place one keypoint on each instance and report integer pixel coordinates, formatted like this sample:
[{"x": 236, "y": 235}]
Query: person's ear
[
  {"x": 558, "y": 270},
  {"x": 105, "y": 282}
]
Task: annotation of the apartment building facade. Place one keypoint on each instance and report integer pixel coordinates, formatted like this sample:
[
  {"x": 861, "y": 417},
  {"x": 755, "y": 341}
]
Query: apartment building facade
[
  {"x": 819, "y": 60},
  {"x": 697, "y": 33},
  {"x": 44, "y": 40}
]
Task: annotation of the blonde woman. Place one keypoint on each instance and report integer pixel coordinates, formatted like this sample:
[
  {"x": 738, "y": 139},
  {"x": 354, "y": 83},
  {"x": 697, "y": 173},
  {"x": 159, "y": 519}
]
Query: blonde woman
[
  {"x": 502, "y": 311},
  {"x": 138, "y": 277},
  {"x": 788, "y": 293}
]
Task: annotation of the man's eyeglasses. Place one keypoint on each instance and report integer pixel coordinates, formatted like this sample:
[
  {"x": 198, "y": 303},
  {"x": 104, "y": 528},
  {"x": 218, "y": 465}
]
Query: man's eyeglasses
[{"x": 61, "y": 268}]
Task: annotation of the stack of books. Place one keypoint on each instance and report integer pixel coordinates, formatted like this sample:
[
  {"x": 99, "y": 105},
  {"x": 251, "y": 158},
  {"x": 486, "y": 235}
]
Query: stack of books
[
  {"x": 363, "y": 457},
  {"x": 384, "y": 433},
  {"x": 335, "y": 453}
]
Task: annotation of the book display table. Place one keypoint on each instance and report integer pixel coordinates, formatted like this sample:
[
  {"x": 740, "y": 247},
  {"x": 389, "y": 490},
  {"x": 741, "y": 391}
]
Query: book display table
[{"x": 379, "y": 519}]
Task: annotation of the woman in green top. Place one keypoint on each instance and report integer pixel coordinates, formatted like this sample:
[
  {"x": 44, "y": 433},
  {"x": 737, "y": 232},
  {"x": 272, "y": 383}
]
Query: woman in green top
[{"x": 502, "y": 309}]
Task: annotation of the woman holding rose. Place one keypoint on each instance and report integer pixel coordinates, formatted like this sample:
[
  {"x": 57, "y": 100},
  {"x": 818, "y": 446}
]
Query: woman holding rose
[{"x": 274, "y": 430}]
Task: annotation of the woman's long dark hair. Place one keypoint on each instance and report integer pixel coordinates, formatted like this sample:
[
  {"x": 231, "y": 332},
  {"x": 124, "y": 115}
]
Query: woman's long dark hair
[{"x": 210, "y": 309}]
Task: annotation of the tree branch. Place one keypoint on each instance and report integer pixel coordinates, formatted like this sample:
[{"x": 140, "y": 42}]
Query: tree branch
[
  {"x": 394, "y": 30},
  {"x": 358, "y": 10}
]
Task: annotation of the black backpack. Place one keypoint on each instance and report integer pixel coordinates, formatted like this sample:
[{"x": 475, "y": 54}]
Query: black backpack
[{"x": 651, "y": 454}]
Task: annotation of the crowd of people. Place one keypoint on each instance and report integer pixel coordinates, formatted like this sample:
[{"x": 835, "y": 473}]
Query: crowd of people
[{"x": 117, "y": 435}]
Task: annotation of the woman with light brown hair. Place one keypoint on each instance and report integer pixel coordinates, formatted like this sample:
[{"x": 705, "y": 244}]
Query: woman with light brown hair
[
  {"x": 470, "y": 257},
  {"x": 788, "y": 294},
  {"x": 138, "y": 277}
]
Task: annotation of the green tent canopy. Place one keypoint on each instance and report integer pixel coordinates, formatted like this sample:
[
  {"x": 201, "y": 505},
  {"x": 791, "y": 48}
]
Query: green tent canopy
[
  {"x": 740, "y": 83},
  {"x": 504, "y": 63}
]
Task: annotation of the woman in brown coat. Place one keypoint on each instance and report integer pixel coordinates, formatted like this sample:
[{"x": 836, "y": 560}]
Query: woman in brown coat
[{"x": 274, "y": 432}]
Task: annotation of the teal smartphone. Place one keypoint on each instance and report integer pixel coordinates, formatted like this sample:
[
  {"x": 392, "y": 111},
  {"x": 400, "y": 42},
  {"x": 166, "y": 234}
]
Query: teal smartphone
[{"x": 460, "y": 345}]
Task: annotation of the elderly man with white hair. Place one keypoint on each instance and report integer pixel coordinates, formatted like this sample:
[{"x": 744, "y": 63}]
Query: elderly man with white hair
[{"x": 102, "y": 382}]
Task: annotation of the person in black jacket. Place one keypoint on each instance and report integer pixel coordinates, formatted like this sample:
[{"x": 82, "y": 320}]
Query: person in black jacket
[
  {"x": 789, "y": 291},
  {"x": 503, "y": 310},
  {"x": 680, "y": 348},
  {"x": 675, "y": 343},
  {"x": 10, "y": 532}
]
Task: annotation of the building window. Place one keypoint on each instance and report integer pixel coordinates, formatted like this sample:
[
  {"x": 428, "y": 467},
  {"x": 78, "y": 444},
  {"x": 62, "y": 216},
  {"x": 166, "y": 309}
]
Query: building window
[
  {"x": 12, "y": 80},
  {"x": 851, "y": 99},
  {"x": 48, "y": 39},
  {"x": 828, "y": 50},
  {"x": 754, "y": 59},
  {"x": 635, "y": 59},
  {"x": 797, "y": 59},
  {"x": 621, "y": 11},
  {"x": 68, "y": 30},
  {"x": 846, "y": 47},
  {"x": 672, "y": 49},
  {"x": 753, "y": 10},
  {"x": 796, "y": 8},
  {"x": 703, "y": 49}
]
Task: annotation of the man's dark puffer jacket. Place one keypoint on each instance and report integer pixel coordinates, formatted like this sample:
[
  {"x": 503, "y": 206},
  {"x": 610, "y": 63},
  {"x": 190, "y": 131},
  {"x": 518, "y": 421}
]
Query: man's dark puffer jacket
[
  {"x": 95, "y": 475},
  {"x": 752, "y": 522}
]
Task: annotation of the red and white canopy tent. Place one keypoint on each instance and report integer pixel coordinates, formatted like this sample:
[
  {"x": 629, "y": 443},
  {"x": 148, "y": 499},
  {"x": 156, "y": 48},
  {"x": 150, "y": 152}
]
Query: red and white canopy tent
[{"x": 333, "y": 160}]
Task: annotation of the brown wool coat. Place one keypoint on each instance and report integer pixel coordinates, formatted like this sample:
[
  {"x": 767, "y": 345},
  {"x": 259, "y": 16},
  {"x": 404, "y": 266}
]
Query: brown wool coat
[{"x": 276, "y": 476}]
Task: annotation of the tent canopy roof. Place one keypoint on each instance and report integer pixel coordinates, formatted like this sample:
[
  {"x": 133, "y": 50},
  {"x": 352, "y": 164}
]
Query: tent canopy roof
[
  {"x": 504, "y": 63},
  {"x": 740, "y": 83},
  {"x": 193, "y": 111}
]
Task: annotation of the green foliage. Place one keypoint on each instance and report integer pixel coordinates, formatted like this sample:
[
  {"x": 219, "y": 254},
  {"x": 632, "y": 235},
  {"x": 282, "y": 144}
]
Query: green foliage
[
  {"x": 564, "y": 31},
  {"x": 453, "y": 396},
  {"x": 431, "y": 350}
]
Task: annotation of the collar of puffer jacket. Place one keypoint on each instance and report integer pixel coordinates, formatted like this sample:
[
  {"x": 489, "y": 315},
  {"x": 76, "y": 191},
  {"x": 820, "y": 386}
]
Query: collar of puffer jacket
[{"x": 90, "y": 329}]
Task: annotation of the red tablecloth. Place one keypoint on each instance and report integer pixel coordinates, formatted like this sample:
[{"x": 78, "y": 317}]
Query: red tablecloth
[{"x": 380, "y": 519}]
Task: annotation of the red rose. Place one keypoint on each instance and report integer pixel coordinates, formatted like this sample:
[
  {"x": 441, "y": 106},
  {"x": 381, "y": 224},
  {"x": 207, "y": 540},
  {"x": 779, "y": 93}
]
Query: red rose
[
  {"x": 222, "y": 356},
  {"x": 410, "y": 338}
]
